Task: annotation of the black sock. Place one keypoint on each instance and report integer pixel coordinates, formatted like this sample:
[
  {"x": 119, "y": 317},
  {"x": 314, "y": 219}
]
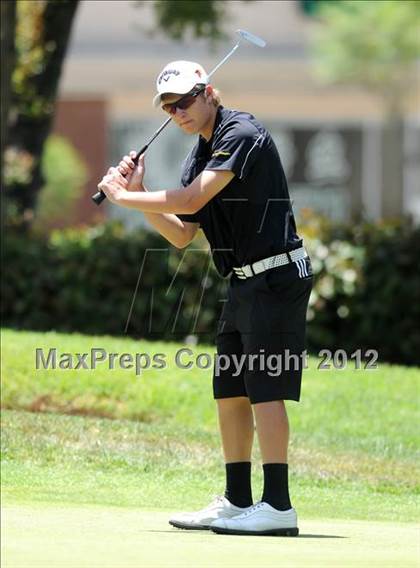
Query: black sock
[
  {"x": 238, "y": 484},
  {"x": 276, "y": 486}
]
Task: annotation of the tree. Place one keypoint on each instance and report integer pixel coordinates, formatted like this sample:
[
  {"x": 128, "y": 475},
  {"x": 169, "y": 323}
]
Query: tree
[
  {"x": 8, "y": 24},
  {"x": 310, "y": 7},
  {"x": 374, "y": 44},
  {"x": 203, "y": 18},
  {"x": 42, "y": 34}
]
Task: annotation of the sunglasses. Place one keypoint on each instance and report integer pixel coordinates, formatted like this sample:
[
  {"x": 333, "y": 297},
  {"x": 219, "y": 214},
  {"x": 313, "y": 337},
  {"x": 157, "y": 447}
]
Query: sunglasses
[{"x": 183, "y": 103}]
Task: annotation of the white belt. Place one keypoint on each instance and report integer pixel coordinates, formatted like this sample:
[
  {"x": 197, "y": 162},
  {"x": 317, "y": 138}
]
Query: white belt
[{"x": 250, "y": 270}]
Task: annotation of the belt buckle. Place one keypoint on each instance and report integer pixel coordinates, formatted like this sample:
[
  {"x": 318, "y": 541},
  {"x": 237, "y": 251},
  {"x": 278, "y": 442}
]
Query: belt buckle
[
  {"x": 243, "y": 272},
  {"x": 247, "y": 270},
  {"x": 239, "y": 273}
]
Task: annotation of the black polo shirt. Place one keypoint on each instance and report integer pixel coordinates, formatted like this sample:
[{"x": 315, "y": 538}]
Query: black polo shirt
[{"x": 252, "y": 217}]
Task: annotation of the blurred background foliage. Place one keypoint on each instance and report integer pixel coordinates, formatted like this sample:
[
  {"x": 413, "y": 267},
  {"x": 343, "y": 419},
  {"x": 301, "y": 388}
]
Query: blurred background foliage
[
  {"x": 203, "y": 19},
  {"x": 65, "y": 174},
  {"x": 374, "y": 44},
  {"x": 366, "y": 293}
]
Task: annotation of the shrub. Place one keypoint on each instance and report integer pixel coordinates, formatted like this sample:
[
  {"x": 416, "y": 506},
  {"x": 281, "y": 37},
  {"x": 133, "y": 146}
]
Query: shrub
[
  {"x": 65, "y": 175},
  {"x": 367, "y": 288},
  {"x": 85, "y": 280}
]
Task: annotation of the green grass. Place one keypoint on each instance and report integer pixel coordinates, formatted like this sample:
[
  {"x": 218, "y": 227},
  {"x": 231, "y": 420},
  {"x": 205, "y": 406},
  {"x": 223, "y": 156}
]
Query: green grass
[
  {"x": 74, "y": 536},
  {"x": 171, "y": 394},
  {"x": 352, "y": 454}
]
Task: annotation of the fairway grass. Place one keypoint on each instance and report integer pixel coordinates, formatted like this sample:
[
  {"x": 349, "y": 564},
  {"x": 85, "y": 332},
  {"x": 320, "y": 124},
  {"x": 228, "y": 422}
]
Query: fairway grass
[{"x": 41, "y": 535}]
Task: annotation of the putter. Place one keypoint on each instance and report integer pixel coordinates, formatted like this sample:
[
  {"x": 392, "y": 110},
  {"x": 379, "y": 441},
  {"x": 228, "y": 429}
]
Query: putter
[{"x": 243, "y": 35}]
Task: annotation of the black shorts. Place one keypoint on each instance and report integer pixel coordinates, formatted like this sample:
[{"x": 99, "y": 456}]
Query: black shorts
[{"x": 261, "y": 335}]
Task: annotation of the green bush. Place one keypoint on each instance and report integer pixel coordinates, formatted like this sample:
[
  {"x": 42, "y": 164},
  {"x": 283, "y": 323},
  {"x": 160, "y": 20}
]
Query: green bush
[
  {"x": 386, "y": 307},
  {"x": 366, "y": 292},
  {"x": 65, "y": 173},
  {"x": 85, "y": 280}
]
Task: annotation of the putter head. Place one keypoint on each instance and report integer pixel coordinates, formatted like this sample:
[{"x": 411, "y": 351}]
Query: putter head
[{"x": 251, "y": 38}]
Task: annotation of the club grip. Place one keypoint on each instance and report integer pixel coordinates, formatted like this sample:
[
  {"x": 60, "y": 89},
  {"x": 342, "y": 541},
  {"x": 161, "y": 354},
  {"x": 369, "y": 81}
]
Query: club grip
[{"x": 100, "y": 195}]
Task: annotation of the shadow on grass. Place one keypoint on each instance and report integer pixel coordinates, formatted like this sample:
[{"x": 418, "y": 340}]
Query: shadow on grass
[
  {"x": 321, "y": 536},
  {"x": 199, "y": 531}
]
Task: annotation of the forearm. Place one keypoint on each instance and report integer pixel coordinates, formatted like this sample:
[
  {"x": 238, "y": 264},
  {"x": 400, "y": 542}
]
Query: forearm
[
  {"x": 167, "y": 201},
  {"x": 170, "y": 227}
]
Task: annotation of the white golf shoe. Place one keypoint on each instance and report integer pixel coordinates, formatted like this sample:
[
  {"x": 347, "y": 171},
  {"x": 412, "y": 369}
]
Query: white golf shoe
[
  {"x": 219, "y": 508},
  {"x": 260, "y": 519}
]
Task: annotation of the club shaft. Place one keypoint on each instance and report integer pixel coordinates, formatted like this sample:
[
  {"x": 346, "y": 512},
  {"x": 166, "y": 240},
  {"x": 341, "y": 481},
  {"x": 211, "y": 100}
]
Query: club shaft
[
  {"x": 226, "y": 57},
  {"x": 158, "y": 131}
]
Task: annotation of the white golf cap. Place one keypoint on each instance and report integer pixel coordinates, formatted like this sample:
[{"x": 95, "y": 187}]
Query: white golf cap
[{"x": 179, "y": 77}]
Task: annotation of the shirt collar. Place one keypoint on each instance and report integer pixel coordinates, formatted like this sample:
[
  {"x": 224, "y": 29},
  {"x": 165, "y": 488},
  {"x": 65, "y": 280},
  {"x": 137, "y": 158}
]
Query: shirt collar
[{"x": 220, "y": 114}]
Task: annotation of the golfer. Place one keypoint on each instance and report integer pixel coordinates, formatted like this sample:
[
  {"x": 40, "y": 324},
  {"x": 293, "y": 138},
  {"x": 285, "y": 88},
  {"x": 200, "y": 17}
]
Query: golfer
[{"x": 234, "y": 189}]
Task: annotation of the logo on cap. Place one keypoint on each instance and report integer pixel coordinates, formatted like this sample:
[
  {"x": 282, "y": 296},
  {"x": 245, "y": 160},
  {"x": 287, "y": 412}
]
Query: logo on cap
[{"x": 165, "y": 75}]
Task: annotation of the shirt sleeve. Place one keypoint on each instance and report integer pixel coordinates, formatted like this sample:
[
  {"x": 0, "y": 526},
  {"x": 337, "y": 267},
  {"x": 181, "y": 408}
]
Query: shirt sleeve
[
  {"x": 188, "y": 218},
  {"x": 236, "y": 148},
  {"x": 186, "y": 175}
]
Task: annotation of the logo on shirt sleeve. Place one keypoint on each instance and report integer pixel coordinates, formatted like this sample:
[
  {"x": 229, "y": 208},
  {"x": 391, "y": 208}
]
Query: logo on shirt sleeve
[{"x": 220, "y": 153}]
